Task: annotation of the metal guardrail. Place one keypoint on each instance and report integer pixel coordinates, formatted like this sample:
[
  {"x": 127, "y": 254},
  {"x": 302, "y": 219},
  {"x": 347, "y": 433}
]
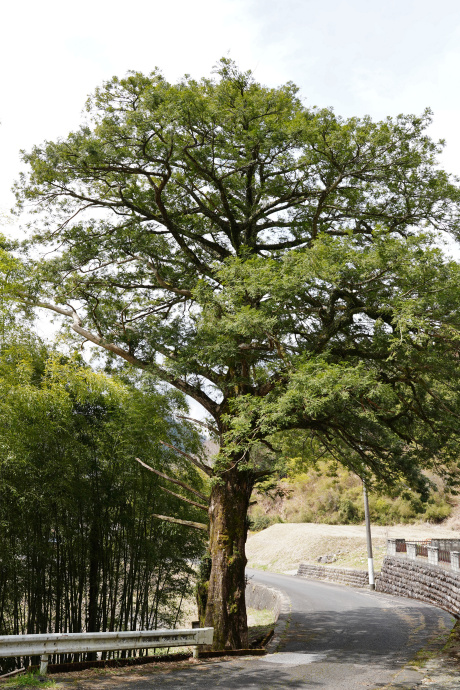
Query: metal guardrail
[
  {"x": 421, "y": 546},
  {"x": 67, "y": 643}
]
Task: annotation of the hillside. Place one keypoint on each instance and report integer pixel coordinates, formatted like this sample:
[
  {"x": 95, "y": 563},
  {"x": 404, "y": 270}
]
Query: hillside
[
  {"x": 282, "y": 547},
  {"x": 320, "y": 513},
  {"x": 335, "y": 497}
]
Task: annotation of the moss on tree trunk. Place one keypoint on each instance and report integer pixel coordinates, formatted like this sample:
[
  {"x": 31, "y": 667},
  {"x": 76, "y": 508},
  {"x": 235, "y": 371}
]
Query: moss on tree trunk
[{"x": 226, "y": 606}]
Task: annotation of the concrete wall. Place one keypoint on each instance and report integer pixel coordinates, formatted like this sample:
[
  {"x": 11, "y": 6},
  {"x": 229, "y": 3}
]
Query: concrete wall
[
  {"x": 260, "y": 597},
  {"x": 446, "y": 544},
  {"x": 410, "y": 578},
  {"x": 345, "y": 576}
]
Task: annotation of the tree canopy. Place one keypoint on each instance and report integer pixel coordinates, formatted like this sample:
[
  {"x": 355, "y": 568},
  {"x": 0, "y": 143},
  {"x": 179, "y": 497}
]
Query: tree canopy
[
  {"x": 275, "y": 262},
  {"x": 369, "y": 343}
]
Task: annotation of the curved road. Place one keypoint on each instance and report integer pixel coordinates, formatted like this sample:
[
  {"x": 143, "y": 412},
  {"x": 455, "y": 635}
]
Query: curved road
[
  {"x": 352, "y": 638},
  {"x": 335, "y": 638}
]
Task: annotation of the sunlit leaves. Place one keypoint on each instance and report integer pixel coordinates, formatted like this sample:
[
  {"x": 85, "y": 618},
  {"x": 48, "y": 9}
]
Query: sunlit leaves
[{"x": 277, "y": 262}]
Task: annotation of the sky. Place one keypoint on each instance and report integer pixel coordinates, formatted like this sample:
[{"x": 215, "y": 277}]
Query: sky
[{"x": 358, "y": 56}]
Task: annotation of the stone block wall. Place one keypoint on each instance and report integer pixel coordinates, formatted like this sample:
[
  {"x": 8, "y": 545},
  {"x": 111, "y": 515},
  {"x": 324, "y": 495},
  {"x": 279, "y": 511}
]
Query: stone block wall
[
  {"x": 344, "y": 576},
  {"x": 432, "y": 584}
]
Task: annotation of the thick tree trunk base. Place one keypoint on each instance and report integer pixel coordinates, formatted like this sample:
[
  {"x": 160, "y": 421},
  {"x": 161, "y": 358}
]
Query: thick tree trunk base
[{"x": 226, "y": 606}]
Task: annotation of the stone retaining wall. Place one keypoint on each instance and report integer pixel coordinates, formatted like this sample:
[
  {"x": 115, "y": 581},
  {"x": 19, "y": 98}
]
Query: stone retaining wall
[
  {"x": 409, "y": 578},
  {"x": 345, "y": 576}
]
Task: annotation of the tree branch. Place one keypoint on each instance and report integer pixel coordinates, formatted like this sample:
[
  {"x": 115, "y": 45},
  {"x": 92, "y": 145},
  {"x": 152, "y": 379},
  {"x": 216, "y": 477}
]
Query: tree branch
[
  {"x": 193, "y": 460},
  {"x": 187, "y": 523},
  {"x": 174, "y": 481},
  {"x": 198, "y": 421},
  {"x": 183, "y": 498},
  {"x": 161, "y": 282},
  {"x": 194, "y": 392}
]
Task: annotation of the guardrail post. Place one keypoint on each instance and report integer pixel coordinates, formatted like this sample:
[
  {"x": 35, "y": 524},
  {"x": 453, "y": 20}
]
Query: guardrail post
[
  {"x": 411, "y": 550},
  {"x": 455, "y": 560},
  {"x": 44, "y": 664},
  {"x": 433, "y": 555},
  {"x": 391, "y": 547},
  {"x": 196, "y": 649}
]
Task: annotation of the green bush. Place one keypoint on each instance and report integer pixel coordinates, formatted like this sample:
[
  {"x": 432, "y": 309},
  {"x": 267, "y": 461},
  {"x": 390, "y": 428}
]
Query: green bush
[
  {"x": 260, "y": 522},
  {"x": 437, "y": 513},
  {"x": 348, "y": 512},
  {"x": 336, "y": 498}
]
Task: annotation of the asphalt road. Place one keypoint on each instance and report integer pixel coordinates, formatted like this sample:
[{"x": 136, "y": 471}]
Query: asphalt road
[
  {"x": 361, "y": 638},
  {"x": 335, "y": 638}
]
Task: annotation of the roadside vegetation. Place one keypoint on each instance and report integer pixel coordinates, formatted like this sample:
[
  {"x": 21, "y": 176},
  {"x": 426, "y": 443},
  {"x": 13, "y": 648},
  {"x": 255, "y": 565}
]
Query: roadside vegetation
[
  {"x": 334, "y": 496},
  {"x": 29, "y": 680},
  {"x": 80, "y": 546}
]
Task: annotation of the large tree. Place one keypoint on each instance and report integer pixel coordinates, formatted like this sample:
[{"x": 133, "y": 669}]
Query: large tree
[{"x": 264, "y": 258}]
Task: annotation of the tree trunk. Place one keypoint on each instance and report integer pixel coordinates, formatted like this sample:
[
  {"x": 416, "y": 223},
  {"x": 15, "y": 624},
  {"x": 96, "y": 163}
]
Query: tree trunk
[
  {"x": 226, "y": 606},
  {"x": 201, "y": 589}
]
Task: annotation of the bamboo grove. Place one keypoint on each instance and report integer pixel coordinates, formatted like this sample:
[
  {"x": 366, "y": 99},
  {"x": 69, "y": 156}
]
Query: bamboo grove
[{"x": 80, "y": 548}]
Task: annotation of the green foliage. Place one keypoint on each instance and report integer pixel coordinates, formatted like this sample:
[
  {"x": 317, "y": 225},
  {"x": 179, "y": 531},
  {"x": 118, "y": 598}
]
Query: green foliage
[
  {"x": 30, "y": 680},
  {"x": 332, "y": 495},
  {"x": 383, "y": 363},
  {"x": 260, "y": 521},
  {"x": 11, "y": 274},
  {"x": 80, "y": 547},
  {"x": 275, "y": 262},
  {"x": 255, "y": 247}
]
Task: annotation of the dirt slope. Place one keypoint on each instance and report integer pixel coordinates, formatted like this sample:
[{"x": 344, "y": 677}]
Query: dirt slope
[{"x": 282, "y": 547}]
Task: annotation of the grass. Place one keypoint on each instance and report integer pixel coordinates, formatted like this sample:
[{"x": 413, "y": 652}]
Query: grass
[
  {"x": 29, "y": 680},
  {"x": 261, "y": 622},
  {"x": 432, "y": 651},
  {"x": 260, "y": 617},
  {"x": 452, "y": 647}
]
